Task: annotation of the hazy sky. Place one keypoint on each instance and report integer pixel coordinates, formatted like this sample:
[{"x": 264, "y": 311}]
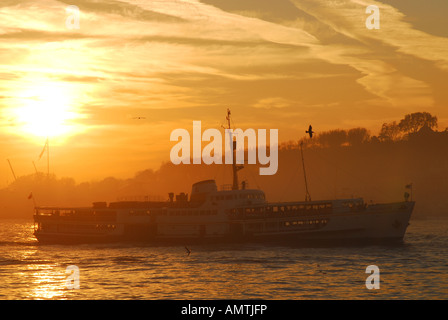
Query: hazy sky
[{"x": 276, "y": 63}]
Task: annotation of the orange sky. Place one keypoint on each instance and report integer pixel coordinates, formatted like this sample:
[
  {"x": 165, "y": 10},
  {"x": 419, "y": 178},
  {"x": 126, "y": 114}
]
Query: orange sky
[{"x": 277, "y": 64}]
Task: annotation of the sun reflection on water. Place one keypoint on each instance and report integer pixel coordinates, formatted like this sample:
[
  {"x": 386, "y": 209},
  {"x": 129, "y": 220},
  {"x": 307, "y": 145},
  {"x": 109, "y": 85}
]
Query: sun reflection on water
[
  {"x": 44, "y": 280},
  {"x": 47, "y": 282}
]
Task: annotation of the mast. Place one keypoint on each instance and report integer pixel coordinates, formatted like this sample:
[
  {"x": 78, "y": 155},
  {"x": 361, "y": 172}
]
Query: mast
[
  {"x": 46, "y": 149},
  {"x": 307, "y": 194},
  {"x": 235, "y": 168},
  {"x": 48, "y": 157},
  {"x": 12, "y": 170}
]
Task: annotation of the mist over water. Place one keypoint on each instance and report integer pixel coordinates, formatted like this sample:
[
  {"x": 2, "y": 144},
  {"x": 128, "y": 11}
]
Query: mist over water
[{"x": 416, "y": 269}]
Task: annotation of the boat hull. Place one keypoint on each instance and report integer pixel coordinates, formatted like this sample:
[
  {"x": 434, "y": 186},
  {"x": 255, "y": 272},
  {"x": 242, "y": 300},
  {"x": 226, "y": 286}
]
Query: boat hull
[{"x": 385, "y": 223}]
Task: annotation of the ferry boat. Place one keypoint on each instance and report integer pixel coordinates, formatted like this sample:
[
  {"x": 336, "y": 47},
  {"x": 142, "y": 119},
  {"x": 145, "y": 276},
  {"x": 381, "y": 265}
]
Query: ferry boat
[{"x": 236, "y": 214}]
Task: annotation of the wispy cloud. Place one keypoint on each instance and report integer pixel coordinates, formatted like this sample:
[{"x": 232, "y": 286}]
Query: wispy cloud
[{"x": 348, "y": 17}]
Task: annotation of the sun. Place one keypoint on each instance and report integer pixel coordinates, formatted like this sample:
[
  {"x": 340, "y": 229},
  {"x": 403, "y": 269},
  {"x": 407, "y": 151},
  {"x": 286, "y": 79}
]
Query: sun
[{"x": 45, "y": 110}]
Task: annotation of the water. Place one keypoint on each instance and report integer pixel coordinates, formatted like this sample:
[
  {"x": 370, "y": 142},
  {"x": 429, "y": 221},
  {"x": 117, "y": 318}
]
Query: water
[{"x": 416, "y": 269}]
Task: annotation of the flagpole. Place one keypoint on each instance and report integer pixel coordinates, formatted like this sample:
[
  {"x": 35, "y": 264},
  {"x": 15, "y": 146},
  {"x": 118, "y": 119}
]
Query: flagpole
[{"x": 31, "y": 196}]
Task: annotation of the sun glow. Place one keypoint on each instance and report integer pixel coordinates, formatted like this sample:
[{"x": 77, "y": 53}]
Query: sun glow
[{"x": 45, "y": 110}]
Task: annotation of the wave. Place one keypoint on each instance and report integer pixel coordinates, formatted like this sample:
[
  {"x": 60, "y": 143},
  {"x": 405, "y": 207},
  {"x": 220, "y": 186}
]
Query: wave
[{"x": 19, "y": 243}]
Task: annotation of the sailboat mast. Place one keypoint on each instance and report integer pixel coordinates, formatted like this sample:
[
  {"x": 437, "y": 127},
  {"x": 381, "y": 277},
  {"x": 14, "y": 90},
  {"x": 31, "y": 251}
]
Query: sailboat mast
[
  {"x": 12, "y": 170},
  {"x": 48, "y": 157},
  {"x": 307, "y": 194},
  {"x": 234, "y": 167}
]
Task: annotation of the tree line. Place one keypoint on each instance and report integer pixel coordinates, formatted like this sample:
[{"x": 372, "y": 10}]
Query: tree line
[{"x": 390, "y": 132}]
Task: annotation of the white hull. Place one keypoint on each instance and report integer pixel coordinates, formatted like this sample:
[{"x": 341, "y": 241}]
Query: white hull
[{"x": 375, "y": 223}]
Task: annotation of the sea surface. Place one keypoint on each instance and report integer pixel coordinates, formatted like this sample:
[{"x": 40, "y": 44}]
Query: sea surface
[{"x": 416, "y": 269}]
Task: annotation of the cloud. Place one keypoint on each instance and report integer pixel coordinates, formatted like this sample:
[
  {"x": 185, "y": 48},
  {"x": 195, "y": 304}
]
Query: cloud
[
  {"x": 273, "y": 103},
  {"x": 123, "y": 9},
  {"x": 348, "y": 17},
  {"x": 381, "y": 78}
]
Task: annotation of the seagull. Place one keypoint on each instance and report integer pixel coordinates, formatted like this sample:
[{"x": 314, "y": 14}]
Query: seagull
[
  {"x": 188, "y": 251},
  {"x": 310, "y": 131}
]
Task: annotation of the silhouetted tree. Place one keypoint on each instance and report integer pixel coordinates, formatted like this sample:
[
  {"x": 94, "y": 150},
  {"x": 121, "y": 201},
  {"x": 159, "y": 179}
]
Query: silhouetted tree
[
  {"x": 415, "y": 121},
  {"x": 333, "y": 138},
  {"x": 357, "y": 136},
  {"x": 389, "y": 131},
  {"x": 289, "y": 145}
]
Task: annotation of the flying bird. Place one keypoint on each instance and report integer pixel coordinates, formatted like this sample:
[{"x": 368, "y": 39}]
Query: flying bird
[
  {"x": 188, "y": 251},
  {"x": 139, "y": 118},
  {"x": 310, "y": 131}
]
